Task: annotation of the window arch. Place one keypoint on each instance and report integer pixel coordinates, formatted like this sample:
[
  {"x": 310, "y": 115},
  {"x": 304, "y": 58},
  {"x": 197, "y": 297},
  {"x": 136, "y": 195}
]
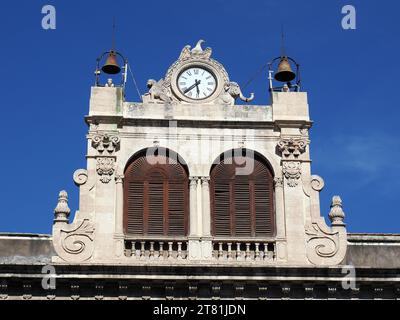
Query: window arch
[
  {"x": 156, "y": 195},
  {"x": 242, "y": 203}
]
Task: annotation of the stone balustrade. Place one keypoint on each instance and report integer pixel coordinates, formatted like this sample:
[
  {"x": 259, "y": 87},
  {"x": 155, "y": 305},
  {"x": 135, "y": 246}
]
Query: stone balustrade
[
  {"x": 223, "y": 250},
  {"x": 244, "y": 250},
  {"x": 156, "y": 249}
]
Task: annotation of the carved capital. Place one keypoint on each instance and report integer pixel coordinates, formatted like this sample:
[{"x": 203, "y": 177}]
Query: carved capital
[
  {"x": 205, "y": 180},
  {"x": 278, "y": 182},
  {"x": 106, "y": 144},
  {"x": 193, "y": 181},
  {"x": 119, "y": 178},
  {"x": 292, "y": 172},
  {"x": 291, "y": 148}
]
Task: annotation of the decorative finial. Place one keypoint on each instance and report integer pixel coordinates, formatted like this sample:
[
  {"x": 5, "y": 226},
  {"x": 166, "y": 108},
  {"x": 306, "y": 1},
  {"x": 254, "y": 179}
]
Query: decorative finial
[
  {"x": 336, "y": 215},
  {"x": 62, "y": 211}
]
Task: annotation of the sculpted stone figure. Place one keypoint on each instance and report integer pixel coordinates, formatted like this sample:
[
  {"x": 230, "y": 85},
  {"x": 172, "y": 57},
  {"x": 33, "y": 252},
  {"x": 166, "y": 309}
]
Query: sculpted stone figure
[
  {"x": 156, "y": 91},
  {"x": 234, "y": 90},
  {"x": 231, "y": 92}
]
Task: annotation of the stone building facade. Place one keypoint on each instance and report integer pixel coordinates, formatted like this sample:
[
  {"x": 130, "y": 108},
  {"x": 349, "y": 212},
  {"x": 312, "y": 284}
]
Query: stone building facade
[{"x": 187, "y": 194}]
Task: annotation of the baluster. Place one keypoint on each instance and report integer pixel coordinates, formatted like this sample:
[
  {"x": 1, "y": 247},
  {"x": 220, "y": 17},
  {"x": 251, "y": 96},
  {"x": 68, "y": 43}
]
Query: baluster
[
  {"x": 170, "y": 250},
  {"x": 128, "y": 252},
  {"x": 230, "y": 251},
  {"x": 266, "y": 253},
  {"x": 215, "y": 251},
  {"x": 247, "y": 255},
  {"x": 137, "y": 252},
  {"x": 274, "y": 252},
  {"x": 161, "y": 250},
  {"x": 184, "y": 250},
  {"x": 151, "y": 255},
  {"x": 257, "y": 252},
  {"x": 179, "y": 257},
  {"x": 220, "y": 251},
  {"x": 156, "y": 252},
  {"x": 142, "y": 250},
  {"x": 238, "y": 252}
]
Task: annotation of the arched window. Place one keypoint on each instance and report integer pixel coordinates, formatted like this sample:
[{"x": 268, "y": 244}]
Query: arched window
[
  {"x": 156, "y": 196},
  {"x": 242, "y": 199}
]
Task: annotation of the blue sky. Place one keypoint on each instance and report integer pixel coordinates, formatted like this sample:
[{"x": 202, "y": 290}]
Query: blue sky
[{"x": 350, "y": 76}]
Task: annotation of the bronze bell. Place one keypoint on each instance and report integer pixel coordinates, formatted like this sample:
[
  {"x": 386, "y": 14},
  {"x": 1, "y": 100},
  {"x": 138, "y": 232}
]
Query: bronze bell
[
  {"x": 111, "y": 66},
  {"x": 284, "y": 73}
]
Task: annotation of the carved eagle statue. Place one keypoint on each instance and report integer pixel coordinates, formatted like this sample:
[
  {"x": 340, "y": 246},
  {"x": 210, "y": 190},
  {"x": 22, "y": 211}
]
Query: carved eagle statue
[{"x": 197, "y": 51}]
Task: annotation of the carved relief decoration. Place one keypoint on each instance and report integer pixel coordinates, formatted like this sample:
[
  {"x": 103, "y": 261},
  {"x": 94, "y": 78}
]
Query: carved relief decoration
[
  {"x": 322, "y": 241},
  {"x": 292, "y": 172},
  {"x": 105, "y": 168},
  {"x": 106, "y": 146},
  {"x": 77, "y": 239}
]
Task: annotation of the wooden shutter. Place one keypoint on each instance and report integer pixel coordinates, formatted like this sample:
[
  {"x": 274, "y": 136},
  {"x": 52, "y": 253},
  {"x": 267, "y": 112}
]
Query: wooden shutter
[
  {"x": 156, "y": 197},
  {"x": 242, "y": 205}
]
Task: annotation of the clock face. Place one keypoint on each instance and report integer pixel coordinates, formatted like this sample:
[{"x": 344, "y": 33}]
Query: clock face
[{"x": 196, "y": 83}]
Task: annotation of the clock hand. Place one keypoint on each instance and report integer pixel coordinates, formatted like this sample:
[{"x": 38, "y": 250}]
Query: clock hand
[
  {"x": 196, "y": 83},
  {"x": 197, "y": 89}
]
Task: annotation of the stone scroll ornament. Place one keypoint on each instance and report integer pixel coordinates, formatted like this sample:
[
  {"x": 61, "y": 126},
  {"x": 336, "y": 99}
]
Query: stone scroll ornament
[
  {"x": 326, "y": 245},
  {"x": 72, "y": 242},
  {"x": 106, "y": 146}
]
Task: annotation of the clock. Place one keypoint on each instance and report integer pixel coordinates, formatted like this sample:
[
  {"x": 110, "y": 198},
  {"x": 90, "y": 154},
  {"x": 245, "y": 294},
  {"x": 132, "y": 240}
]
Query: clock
[{"x": 196, "y": 83}]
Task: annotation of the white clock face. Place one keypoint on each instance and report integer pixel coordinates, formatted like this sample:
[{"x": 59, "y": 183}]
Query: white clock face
[{"x": 196, "y": 83}]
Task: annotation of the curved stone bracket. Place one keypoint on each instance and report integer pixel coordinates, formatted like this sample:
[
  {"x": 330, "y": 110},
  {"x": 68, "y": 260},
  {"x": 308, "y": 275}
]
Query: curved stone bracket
[
  {"x": 74, "y": 242},
  {"x": 325, "y": 245}
]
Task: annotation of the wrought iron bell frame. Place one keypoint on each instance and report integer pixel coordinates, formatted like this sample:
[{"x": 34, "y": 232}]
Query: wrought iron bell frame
[
  {"x": 297, "y": 79},
  {"x": 124, "y": 68}
]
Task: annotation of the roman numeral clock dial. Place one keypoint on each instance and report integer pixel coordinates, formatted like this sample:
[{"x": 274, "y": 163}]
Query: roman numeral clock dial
[{"x": 196, "y": 83}]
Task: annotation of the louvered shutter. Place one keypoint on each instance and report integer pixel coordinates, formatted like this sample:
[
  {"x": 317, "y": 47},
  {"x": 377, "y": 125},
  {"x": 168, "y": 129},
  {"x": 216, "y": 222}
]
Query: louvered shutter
[
  {"x": 242, "y": 211},
  {"x": 155, "y": 204},
  {"x": 135, "y": 207},
  {"x": 156, "y": 197},
  {"x": 242, "y": 205}
]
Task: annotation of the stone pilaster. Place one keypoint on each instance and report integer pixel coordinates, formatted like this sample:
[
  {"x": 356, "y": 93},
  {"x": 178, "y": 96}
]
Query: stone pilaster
[
  {"x": 194, "y": 232},
  {"x": 119, "y": 203},
  {"x": 206, "y": 214},
  {"x": 206, "y": 240},
  {"x": 119, "y": 215}
]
